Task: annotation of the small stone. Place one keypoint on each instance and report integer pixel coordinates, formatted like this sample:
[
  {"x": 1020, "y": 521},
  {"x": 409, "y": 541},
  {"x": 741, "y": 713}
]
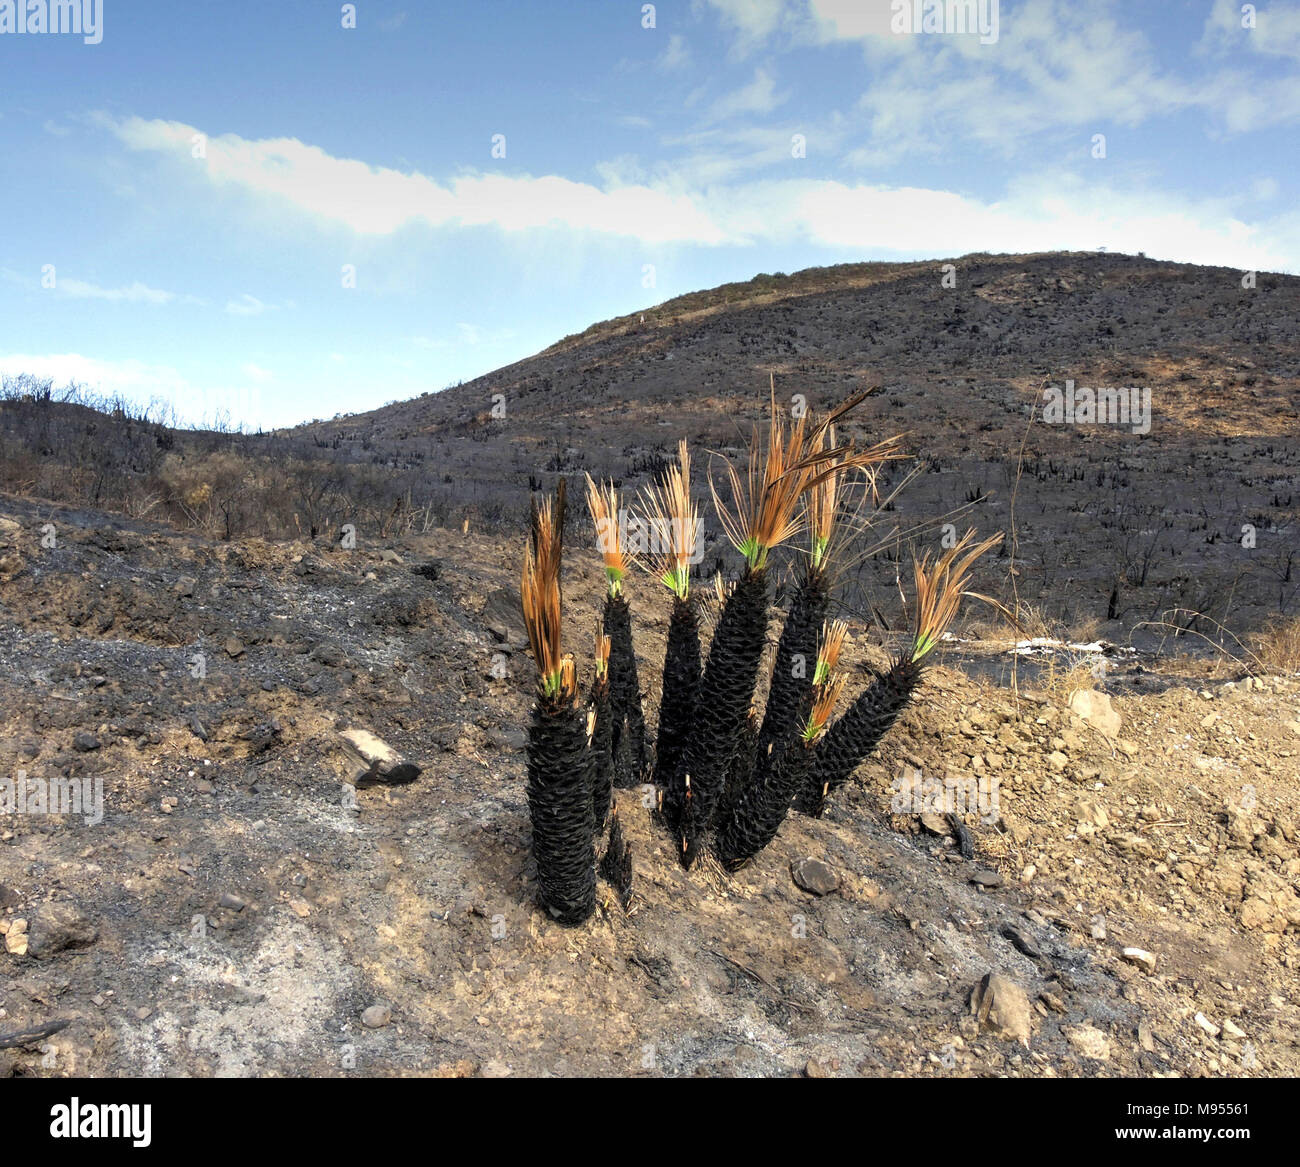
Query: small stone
[
  {"x": 936, "y": 824},
  {"x": 1089, "y": 1041},
  {"x": 987, "y": 879},
  {"x": 1141, "y": 957},
  {"x": 814, "y": 1069},
  {"x": 1232, "y": 1030},
  {"x": 232, "y": 901},
  {"x": 1057, "y": 761},
  {"x": 815, "y": 876},
  {"x": 1206, "y": 1024},
  {"x": 234, "y": 647},
  {"x": 84, "y": 743},
  {"x": 376, "y": 1017},
  {"x": 300, "y": 908}
]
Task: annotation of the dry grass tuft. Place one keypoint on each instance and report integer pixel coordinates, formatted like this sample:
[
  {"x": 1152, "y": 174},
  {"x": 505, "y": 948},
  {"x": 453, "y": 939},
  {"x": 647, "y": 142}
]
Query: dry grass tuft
[{"x": 1277, "y": 647}]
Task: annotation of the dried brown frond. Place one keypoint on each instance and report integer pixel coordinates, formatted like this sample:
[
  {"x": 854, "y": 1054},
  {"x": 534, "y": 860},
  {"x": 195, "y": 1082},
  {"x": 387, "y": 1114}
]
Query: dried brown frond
[
  {"x": 602, "y": 503},
  {"x": 763, "y": 513},
  {"x": 540, "y": 593},
  {"x": 828, "y": 655},
  {"x": 827, "y": 697},
  {"x": 939, "y": 589},
  {"x": 674, "y": 522},
  {"x": 602, "y": 653}
]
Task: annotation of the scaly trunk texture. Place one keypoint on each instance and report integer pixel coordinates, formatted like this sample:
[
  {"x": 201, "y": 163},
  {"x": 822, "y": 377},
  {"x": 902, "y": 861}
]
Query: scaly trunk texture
[
  {"x": 602, "y": 753},
  {"x": 726, "y": 692},
  {"x": 796, "y": 661},
  {"x": 680, "y": 692},
  {"x": 624, "y": 695},
  {"x": 854, "y": 735},
  {"x": 560, "y": 805}
]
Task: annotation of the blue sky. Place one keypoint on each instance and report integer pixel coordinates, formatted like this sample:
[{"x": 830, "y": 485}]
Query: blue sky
[{"x": 647, "y": 154}]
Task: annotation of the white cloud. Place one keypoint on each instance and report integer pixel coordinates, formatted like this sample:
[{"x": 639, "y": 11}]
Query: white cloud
[
  {"x": 136, "y": 293},
  {"x": 759, "y": 96},
  {"x": 1045, "y": 214},
  {"x": 753, "y": 20},
  {"x": 702, "y": 202},
  {"x": 248, "y": 305},
  {"x": 379, "y": 201},
  {"x": 676, "y": 55}
]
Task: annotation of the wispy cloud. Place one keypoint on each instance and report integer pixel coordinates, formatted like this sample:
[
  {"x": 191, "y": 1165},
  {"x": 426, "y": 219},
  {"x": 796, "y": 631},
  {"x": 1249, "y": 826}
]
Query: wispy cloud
[
  {"x": 135, "y": 293},
  {"x": 248, "y": 305},
  {"x": 379, "y": 201},
  {"x": 759, "y": 96}
]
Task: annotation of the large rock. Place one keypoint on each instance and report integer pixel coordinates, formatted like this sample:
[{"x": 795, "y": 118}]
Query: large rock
[
  {"x": 57, "y": 927},
  {"x": 1095, "y": 709},
  {"x": 503, "y": 617}
]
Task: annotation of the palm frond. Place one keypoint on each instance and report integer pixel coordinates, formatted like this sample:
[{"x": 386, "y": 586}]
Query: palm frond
[
  {"x": 674, "y": 522},
  {"x": 606, "y": 514},
  {"x": 939, "y": 589},
  {"x": 540, "y": 595}
]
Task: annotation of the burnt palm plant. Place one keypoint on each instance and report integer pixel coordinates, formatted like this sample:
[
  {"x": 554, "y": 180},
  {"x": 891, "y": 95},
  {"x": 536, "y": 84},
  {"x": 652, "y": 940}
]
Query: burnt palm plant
[
  {"x": 760, "y": 808},
  {"x": 940, "y": 587},
  {"x": 762, "y": 517},
  {"x": 559, "y": 761},
  {"x": 674, "y": 523},
  {"x": 628, "y": 741}
]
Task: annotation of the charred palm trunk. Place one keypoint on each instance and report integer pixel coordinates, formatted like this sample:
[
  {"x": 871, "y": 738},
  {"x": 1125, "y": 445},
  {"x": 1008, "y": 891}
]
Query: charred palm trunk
[
  {"x": 602, "y": 752},
  {"x": 726, "y": 693},
  {"x": 796, "y": 658},
  {"x": 680, "y": 692},
  {"x": 848, "y": 742},
  {"x": 741, "y": 772},
  {"x": 624, "y": 695},
  {"x": 761, "y": 807},
  {"x": 560, "y": 804}
]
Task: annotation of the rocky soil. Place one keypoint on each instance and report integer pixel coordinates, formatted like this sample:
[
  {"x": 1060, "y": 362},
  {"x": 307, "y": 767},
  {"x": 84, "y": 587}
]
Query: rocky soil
[{"x": 1127, "y": 907}]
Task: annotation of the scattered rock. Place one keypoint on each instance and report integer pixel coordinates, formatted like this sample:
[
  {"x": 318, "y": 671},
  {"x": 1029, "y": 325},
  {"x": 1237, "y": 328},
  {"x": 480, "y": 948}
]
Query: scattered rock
[
  {"x": 1088, "y": 1041},
  {"x": 376, "y": 1017},
  {"x": 1206, "y": 1025},
  {"x": 232, "y": 901},
  {"x": 57, "y": 927},
  {"x": 1140, "y": 957},
  {"x": 234, "y": 647},
  {"x": 374, "y": 760},
  {"x": 1000, "y": 1004},
  {"x": 815, "y": 876},
  {"x": 85, "y": 743},
  {"x": 987, "y": 879},
  {"x": 1095, "y": 709}
]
